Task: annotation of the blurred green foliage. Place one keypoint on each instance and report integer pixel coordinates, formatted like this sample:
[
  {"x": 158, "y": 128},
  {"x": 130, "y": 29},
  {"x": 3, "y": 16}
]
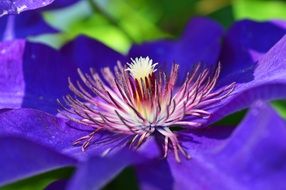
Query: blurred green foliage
[
  {"x": 259, "y": 10},
  {"x": 125, "y": 180},
  {"x": 232, "y": 119},
  {"x": 280, "y": 107},
  {"x": 120, "y": 23},
  {"x": 39, "y": 182}
]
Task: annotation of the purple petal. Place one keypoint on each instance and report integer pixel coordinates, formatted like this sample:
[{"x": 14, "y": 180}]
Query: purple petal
[
  {"x": 61, "y": 4},
  {"x": 24, "y": 25},
  {"x": 244, "y": 43},
  {"x": 196, "y": 142},
  {"x": 268, "y": 82},
  {"x": 25, "y": 82},
  {"x": 155, "y": 175},
  {"x": 279, "y": 23},
  {"x": 41, "y": 128},
  {"x": 47, "y": 81},
  {"x": 253, "y": 157},
  {"x": 21, "y": 158},
  {"x": 57, "y": 136},
  {"x": 85, "y": 52},
  {"x": 18, "y": 6},
  {"x": 197, "y": 44},
  {"x": 97, "y": 172},
  {"x": 12, "y": 79},
  {"x": 35, "y": 75}
]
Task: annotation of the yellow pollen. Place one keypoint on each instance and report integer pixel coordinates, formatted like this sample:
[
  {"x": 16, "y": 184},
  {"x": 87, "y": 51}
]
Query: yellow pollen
[{"x": 141, "y": 67}]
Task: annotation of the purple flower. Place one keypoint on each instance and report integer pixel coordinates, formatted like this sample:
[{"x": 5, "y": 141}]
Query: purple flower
[{"x": 221, "y": 158}]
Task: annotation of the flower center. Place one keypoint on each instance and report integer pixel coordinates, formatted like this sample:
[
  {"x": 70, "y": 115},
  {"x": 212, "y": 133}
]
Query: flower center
[
  {"x": 134, "y": 102},
  {"x": 143, "y": 86}
]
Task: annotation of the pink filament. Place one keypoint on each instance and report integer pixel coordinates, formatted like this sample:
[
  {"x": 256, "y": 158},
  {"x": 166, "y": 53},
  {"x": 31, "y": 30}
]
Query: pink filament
[{"x": 127, "y": 106}]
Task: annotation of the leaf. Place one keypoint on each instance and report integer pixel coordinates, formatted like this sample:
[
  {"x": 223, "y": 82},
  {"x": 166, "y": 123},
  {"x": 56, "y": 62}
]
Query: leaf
[
  {"x": 259, "y": 10},
  {"x": 39, "y": 182},
  {"x": 125, "y": 180},
  {"x": 116, "y": 23},
  {"x": 280, "y": 107}
]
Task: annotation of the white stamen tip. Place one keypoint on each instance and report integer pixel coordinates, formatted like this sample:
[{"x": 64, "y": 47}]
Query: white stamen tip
[{"x": 141, "y": 67}]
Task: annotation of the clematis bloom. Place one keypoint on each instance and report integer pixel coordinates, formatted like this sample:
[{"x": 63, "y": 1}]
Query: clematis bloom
[{"x": 41, "y": 74}]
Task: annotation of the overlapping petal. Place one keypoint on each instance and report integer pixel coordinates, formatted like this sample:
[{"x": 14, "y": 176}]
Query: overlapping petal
[
  {"x": 21, "y": 158},
  {"x": 41, "y": 128},
  {"x": 61, "y": 4},
  {"x": 29, "y": 132},
  {"x": 32, "y": 75},
  {"x": 197, "y": 45},
  {"x": 198, "y": 142},
  {"x": 268, "y": 81},
  {"x": 95, "y": 176},
  {"x": 24, "y": 25},
  {"x": 244, "y": 43},
  {"x": 242, "y": 58},
  {"x": 18, "y": 6},
  {"x": 35, "y": 75}
]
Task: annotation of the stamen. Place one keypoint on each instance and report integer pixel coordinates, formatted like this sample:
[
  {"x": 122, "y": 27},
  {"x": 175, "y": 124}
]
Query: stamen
[
  {"x": 141, "y": 67},
  {"x": 134, "y": 102}
]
